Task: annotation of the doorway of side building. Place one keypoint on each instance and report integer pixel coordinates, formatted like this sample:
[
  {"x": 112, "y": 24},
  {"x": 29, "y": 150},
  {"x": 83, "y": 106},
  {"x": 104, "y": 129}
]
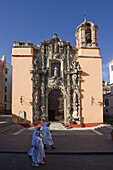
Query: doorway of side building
[{"x": 55, "y": 106}]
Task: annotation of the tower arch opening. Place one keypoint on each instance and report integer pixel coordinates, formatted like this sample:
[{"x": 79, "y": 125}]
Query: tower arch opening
[{"x": 88, "y": 35}]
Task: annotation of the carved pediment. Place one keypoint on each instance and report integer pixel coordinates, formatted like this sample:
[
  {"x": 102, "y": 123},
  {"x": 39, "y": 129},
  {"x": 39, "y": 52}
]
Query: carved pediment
[{"x": 55, "y": 82}]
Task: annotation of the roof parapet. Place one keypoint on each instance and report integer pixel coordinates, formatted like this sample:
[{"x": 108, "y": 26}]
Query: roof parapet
[{"x": 22, "y": 44}]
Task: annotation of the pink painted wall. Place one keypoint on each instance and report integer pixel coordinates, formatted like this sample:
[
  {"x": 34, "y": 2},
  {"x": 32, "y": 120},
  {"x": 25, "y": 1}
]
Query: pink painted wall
[
  {"x": 22, "y": 85},
  {"x": 91, "y": 88}
]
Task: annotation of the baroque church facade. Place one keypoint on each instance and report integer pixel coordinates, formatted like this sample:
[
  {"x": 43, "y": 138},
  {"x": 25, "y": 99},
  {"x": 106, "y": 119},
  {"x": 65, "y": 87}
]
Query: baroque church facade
[{"x": 58, "y": 80}]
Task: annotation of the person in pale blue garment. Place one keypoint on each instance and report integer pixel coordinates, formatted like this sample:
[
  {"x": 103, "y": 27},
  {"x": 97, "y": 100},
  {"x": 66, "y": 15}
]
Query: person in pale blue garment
[
  {"x": 30, "y": 153},
  {"x": 38, "y": 151},
  {"x": 48, "y": 137},
  {"x": 44, "y": 134}
]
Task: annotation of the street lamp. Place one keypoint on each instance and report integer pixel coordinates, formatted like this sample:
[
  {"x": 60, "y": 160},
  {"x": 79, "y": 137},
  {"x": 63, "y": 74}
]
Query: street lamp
[{"x": 21, "y": 100}]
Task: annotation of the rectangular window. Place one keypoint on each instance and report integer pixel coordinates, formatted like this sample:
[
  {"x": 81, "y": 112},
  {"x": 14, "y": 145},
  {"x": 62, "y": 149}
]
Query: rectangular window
[
  {"x": 5, "y": 106},
  {"x": 6, "y": 72},
  {"x": 106, "y": 102},
  {"x": 5, "y": 98},
  {"x": 111, "y": 67},
  {"x": 5, "y": 89},
  {"x": 6, "y": 79}
]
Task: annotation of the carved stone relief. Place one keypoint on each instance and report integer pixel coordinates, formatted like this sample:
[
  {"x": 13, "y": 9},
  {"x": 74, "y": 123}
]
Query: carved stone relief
[{"x": 66, "y": 77}]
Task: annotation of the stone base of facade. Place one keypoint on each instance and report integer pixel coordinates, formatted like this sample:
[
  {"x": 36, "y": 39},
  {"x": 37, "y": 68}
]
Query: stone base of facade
[
  {"x": 83, "y": 125},
  {"x": 30, "y": 124},
  {"x": 24, "y": 123},
  {"x": 66, "y": 125}
]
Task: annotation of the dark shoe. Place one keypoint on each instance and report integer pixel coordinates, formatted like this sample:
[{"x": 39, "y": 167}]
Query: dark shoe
[
  {"x": 45, "y": 147},
  {"x": 41, "y": 163},
  {"x": 33, "y": 164},
  {"x": 30, "y": 157},
  {"x": 53, "y": 147}
]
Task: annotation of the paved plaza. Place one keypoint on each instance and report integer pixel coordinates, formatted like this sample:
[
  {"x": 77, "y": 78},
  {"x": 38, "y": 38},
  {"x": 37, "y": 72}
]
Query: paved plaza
[{"x": 80, "y": 149}]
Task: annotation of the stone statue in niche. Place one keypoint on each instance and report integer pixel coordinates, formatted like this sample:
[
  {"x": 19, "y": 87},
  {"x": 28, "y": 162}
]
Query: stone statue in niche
[
  {"x": 36, "y": 64},
  {"x": 55, "y": 71},
  {"x": 36, "y": 97},
  {"x": 42, "y": 89},
  {"x": 75, "y": 115},
  {"x": 56, "y": 48},
  {"x": 74, "y": 104},
  {"x": 74, "y": 76},
  {"x": 74, "y": 65},
  {"x": 43, "y": 109},
  {"x": 74, "y": 96},
  {"x": 36, "y": 79}
]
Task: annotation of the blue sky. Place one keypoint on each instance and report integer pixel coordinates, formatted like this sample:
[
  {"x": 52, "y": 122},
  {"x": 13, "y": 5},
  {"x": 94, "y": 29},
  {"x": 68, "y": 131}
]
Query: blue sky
[{"x": 37, "y": 20}]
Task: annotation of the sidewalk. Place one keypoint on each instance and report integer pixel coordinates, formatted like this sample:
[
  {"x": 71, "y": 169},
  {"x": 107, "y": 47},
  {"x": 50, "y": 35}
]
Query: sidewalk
[{"x": 5, "y": 118}]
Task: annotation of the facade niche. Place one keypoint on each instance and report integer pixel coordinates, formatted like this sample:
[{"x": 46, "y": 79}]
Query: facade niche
[{"x": 55, "y": 69}]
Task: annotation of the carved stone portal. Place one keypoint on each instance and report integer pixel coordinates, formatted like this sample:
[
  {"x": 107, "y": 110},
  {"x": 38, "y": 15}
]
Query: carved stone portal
[{"x": 56, "y": 67}]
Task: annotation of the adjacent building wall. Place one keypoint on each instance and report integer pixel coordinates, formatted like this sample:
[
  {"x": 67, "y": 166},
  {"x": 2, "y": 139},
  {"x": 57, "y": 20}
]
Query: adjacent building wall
[
  {"x": 108, "y": 97},
  {"x": 3, "y": 70},
  {"x": 108, "y": 104},
  {"x": 111, "y": 71},
  {"x": 8, "y": 88}
]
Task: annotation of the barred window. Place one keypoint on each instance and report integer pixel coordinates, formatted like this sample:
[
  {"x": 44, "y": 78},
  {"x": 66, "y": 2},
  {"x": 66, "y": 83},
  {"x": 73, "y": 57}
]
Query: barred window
[{"x": 106, "y": 102}]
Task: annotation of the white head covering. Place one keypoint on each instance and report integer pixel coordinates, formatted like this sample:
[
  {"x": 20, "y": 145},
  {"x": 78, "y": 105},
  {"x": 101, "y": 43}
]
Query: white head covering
[
  {"x": 36, "y": 129},
  {"x": 35, "y": 138},
  {"x": 44, "y": 125}
]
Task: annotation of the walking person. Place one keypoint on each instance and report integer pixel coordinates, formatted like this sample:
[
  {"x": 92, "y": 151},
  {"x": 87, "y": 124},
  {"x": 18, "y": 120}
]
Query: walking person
[
  {"x": 30, "y": 153},
  {"x": 38, "y": 151},
  {"x": 44, "y": 134},
  {"x": 48, "y": 137}
]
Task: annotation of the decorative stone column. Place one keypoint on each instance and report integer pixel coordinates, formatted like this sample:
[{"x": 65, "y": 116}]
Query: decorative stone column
[
  {"x": 74, "y": 80},
  {"x": 43, "y": 48},
  {"x": 68, "y": 81},
  {"x": 83, "y": 39},
  {"x": 37, "y": 95},
  {"x": 78, "y": 88},
  {"x": 75, "y": 113},
  {"x": 43, "y": 54},
  {"x": 94, "y": 36},
  {"x": 68, "y": 54},
  {"x": 43, "y": 94}
]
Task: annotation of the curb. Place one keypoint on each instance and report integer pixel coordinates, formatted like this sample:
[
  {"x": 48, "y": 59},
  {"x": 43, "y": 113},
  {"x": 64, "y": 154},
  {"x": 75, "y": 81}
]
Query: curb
[{"x": 61, "y": 153}]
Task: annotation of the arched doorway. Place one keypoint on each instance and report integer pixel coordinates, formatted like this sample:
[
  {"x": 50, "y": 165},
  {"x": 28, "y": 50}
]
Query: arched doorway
[{"x": 55, "y": 106}]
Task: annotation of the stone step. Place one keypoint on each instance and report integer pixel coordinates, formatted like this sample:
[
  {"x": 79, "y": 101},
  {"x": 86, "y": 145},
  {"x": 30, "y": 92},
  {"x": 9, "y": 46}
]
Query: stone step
[
  {"x": 57, "y": 126},
  {"x": 9, "y": 128}
]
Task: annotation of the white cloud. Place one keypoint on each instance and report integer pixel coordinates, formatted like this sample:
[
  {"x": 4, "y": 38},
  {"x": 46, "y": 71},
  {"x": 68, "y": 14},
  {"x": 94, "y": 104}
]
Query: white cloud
[{"x": 105, "y": 72}]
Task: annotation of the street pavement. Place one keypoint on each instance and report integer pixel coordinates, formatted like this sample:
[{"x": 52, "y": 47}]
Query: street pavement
[
  {"x": 58, "y": 162},
  {"x": 80, "y": 149}
]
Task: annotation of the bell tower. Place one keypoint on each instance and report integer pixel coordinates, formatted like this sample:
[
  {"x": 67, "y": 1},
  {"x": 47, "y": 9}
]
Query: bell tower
[
  {"x": 86, "y": 34},
  {"x": 90, "y": 62}
]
